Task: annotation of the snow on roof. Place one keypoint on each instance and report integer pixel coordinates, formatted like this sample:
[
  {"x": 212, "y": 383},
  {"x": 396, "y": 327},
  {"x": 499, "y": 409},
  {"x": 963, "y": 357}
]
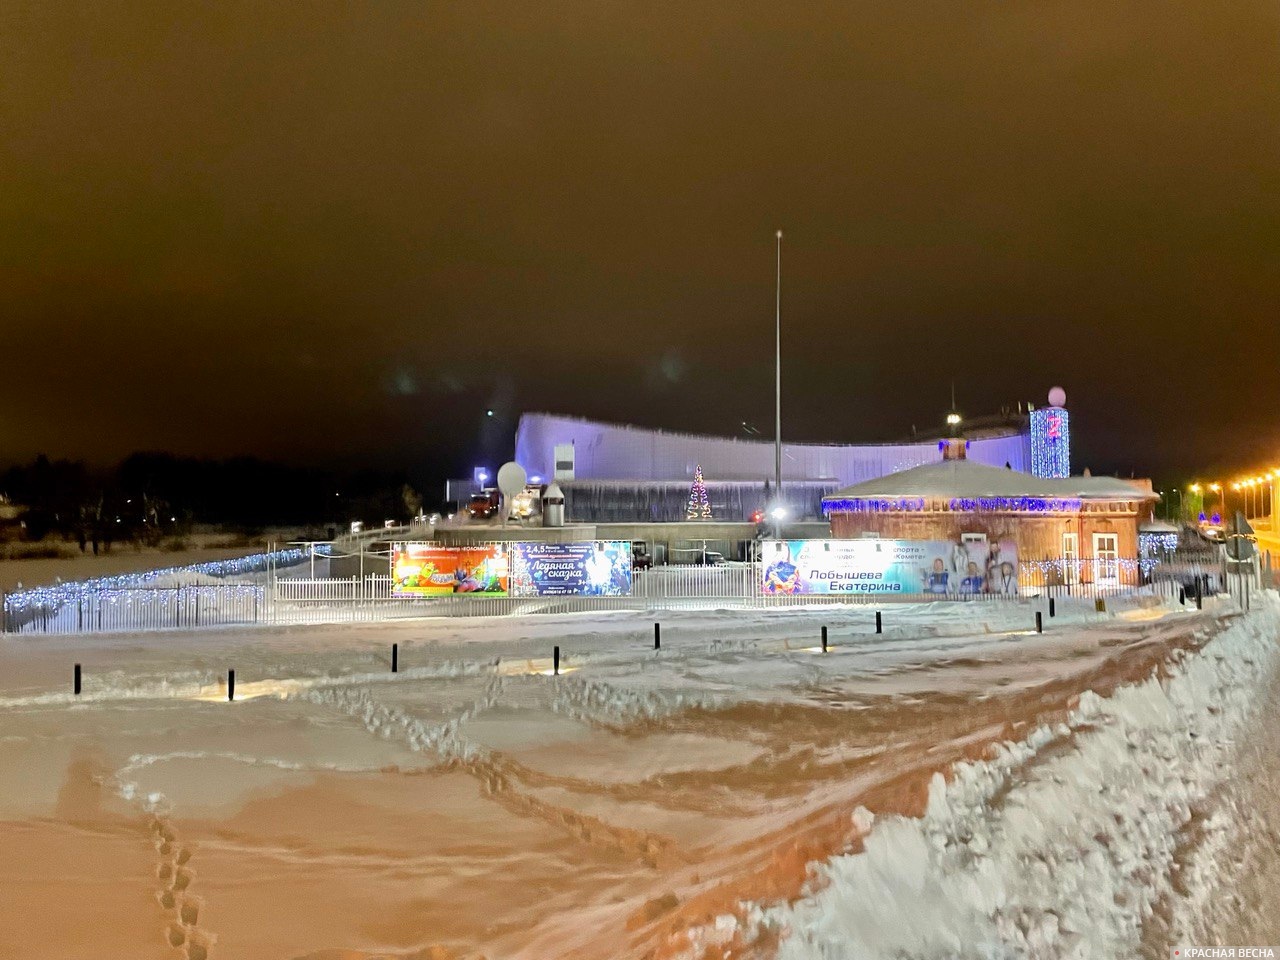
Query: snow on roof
[{"x": 967, "y": 479}]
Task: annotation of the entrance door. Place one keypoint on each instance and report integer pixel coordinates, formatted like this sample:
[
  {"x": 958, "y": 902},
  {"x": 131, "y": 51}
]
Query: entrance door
[
  {"x": 1106, "y": 556},
  {"x": 1071, "y": 558}
]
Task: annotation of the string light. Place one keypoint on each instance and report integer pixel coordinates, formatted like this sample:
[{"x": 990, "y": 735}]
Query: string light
[
  {"x": 1050, "y": 442},
  {"x": 699, "y": 506},
  {"x": 1150, "y": 543},
  {"x": 955, "y": 504},
  {"x": 1017, "y": 504},
  {"x": 873, "y": 504},
  {"x": 112, "y": 589}
]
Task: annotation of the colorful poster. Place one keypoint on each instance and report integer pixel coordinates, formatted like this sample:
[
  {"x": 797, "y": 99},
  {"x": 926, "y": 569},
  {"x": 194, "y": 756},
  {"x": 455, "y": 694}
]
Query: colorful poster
[
  {"x": 593, "y": 569},
  {"x": 431, "y": 570},
  {"x": 940, "y": 567}
]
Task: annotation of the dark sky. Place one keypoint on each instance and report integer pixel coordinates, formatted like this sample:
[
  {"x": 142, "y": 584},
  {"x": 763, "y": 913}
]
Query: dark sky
[{"x": 319, "y": 230}]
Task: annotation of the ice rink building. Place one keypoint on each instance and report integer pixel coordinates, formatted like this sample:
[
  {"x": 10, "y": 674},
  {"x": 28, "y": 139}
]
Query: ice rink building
[{"x": 620, "y": 473}]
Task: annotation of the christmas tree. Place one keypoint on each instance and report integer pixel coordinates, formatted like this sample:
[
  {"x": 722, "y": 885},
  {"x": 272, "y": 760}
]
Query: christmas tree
[{"x": 699, "y": 505}]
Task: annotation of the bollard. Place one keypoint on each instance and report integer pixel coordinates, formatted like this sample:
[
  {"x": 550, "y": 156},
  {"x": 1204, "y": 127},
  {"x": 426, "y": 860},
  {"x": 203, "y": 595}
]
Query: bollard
[
  {"x": 555, "y": 661},
  {"x": 1199, "y": 595},
  {"x": 879, "y": 623},
  {"x": 1053, "y": 608},
  {"x": 657, "y": 637},
  {"x": 77, "y": 680},
  {"x": 231, "y": 685},
  {"x": 1182, "y": 596},
  {"x": 1039, "y": 622},
  {"x": 395, "y": 658},
  {"x": 824, "y": 639}
]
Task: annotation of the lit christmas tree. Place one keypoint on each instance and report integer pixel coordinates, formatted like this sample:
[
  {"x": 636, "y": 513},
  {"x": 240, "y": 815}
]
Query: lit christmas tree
[{"x": 699, "y": 505}]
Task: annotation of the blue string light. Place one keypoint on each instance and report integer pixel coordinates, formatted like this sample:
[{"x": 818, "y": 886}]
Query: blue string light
[
  {"x": 112, "y": 589},
  {"x": 1050, "y": 442},
  {"x": 873, "y": 504},
  {"x": 955, "y": 504},
  {"x": 1016, "y": 504}
]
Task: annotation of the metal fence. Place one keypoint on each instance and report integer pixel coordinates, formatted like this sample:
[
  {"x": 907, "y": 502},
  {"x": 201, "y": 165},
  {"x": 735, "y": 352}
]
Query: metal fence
[
  {"x": 286, "y": 599},
  {"x": 140, "y": 608}
]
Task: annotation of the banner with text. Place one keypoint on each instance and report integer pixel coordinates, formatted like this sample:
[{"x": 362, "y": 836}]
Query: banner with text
[
  {"x": 431, "y": 570},
  {"x": 945, "y": 568},
  {"x": 600, "y": 568}
]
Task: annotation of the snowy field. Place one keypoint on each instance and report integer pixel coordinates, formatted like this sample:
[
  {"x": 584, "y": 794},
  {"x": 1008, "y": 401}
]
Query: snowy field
[{"x": 959, "y": 786}]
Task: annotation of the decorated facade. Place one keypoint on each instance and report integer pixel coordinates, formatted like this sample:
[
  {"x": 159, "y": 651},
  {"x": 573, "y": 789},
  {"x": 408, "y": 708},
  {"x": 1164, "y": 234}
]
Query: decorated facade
[{"x": 1065, "y": 528}]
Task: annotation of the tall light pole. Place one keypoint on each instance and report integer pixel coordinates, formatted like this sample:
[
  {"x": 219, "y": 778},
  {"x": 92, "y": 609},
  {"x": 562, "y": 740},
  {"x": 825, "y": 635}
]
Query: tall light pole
[{"x": 777, "y": 390}]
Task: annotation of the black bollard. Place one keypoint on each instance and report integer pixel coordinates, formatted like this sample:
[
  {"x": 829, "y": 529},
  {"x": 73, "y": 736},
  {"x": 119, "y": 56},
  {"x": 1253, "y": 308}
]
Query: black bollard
[
  {"x": 395, "y": 658},
  {"x": 824, "y": 639},
  {"x": 879, "y": 623},
  {"x": 657, "y": 636},
  {"x": 231, "y": 685},
  {"x": 555, "y": 661},
  {"x": 77, "y": 680},
  {"x": 1039, "y": 622},
  {"x": 1182, "y": 596},
  {"x": 1053, "y": 609},
  {"x": 1199, "y": 596}
]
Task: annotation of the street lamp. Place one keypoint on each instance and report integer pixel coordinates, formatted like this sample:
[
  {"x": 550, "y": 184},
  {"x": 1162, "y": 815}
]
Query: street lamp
[
  {"x": 1222, "y": 504},
  {"x": 777, "y": 383}
]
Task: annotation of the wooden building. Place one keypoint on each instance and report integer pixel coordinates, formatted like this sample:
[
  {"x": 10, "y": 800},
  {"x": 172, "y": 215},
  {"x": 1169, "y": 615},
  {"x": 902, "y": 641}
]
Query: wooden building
[{"x": 1066, "y": 529}]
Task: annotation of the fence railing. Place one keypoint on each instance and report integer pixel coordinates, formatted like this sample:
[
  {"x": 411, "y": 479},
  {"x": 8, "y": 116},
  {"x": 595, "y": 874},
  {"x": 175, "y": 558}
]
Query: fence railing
[
  {"x": 141, "y": 608},
  {"x": 304, "y": 599}
]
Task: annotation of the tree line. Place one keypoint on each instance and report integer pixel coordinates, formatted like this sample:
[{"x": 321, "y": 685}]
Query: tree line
[{"x": 149, "y": 497}]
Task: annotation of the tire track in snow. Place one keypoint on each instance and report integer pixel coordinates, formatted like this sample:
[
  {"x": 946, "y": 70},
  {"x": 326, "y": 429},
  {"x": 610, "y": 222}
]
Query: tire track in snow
[{"x": 498, "y": 777}]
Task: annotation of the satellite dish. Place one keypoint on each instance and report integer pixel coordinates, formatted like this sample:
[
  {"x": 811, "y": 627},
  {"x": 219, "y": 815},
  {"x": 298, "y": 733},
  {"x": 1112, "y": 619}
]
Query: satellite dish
[
  {"x": 511, "y": 478},
  {"x": 1057, "y": 397}
]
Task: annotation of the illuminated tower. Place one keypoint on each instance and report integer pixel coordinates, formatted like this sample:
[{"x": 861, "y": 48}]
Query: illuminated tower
[{"x": 1051, "y": 437}]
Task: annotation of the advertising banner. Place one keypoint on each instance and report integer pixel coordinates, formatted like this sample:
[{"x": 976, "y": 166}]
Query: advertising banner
[
  {"x": 600, "y": 568},
  {"x": 431, "y": 570},
  {"x": 941, "y": 567}
]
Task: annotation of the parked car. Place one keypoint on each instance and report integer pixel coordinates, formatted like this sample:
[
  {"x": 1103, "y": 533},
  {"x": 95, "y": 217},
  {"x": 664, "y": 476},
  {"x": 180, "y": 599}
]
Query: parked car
[{"x": 483, "y": 505}]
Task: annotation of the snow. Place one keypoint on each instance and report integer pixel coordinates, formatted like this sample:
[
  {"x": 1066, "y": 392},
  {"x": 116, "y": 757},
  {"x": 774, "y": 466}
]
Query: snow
[
  {"x": 474, "y": 803},
  {"x": 967, "y": 479},
  {"x": 1061, "y": 845}
]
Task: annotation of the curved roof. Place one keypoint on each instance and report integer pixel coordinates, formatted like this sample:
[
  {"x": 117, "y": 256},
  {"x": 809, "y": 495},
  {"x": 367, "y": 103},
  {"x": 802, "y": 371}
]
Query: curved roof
[
  {"x": 609, "y": 451},
  {"x": 964, "y": 479}
]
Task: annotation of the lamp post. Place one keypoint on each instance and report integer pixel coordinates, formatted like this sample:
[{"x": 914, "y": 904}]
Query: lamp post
[
  {"x": 1221, "y": 489},
  {"x": 777, "y": 388}
]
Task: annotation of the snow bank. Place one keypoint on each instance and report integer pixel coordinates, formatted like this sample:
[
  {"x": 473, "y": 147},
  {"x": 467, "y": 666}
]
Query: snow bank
[{"x": 1058, "y": 847}]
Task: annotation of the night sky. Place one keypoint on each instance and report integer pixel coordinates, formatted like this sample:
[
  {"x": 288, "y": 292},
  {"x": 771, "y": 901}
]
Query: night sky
[{"x": 323, "y": 232}]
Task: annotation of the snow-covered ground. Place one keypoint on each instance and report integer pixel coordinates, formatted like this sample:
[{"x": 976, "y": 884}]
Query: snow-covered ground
[{"x": 737, "y": 790}]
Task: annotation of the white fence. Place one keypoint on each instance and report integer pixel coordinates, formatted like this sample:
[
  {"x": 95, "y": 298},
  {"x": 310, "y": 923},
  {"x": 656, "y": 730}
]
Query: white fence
[
  {"x": 286, "y": 599},
  {"x": 720, "y": 586}
]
